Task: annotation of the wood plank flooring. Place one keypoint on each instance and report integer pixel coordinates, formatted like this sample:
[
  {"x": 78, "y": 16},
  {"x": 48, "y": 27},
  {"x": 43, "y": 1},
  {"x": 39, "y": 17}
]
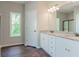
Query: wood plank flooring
[{"x": 22, "y": 51}]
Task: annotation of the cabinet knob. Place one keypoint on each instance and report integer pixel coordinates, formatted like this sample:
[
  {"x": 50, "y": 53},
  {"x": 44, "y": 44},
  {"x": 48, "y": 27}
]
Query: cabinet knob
[
  {"x": 67, "y": 49},
  {"x": 34, "y": 30},
  {"x": 51, "y": 46},
  {"x": 51, "y": 42},
  {"x": 51, "y": 52}
]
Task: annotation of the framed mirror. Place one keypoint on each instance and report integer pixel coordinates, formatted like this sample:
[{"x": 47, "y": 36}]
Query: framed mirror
[{"x": 67, "y": 18}]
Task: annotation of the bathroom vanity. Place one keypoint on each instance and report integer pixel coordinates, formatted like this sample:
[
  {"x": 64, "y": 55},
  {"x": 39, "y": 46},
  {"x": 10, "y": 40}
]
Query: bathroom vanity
[{"x": 60, "y": 44}]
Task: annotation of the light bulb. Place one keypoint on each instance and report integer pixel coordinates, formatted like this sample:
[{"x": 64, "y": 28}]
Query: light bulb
[
  {"x": 57, "y": 8},
  {"x": 48, "y": 10},
  {"x": 53, "y": 7}
]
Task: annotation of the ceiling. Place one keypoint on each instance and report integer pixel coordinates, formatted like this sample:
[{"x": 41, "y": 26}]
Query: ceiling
[
  {"x": 21, "y": 2},
  {"x": 48, "y": 2},
  {"x": 69, "y": 7},
  {"x": 56, "y": 3},
  {"x": 65, "y": 6}
]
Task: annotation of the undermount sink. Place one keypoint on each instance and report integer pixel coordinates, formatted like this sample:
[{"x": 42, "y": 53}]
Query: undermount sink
[
  {"x": 76, "y": 34},
  {"x": 51, "y": 31}
]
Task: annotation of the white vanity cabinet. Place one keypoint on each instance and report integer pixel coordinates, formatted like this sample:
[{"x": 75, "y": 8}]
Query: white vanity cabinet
[
  {"x": 62, "y": 47},
  {"x": 47, "y": 43},
  {"x": 44, "y": 41},
  {"x": 41, "y": 40},
  {"x": 51, "y": 45},
  {"x": 73, "y": 47},
  {"x": 58, "y": 46},
  {"x": 66, "y": 47}
]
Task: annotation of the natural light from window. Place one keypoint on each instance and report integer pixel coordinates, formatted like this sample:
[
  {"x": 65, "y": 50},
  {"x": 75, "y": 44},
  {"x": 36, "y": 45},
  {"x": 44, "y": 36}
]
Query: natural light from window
[{"x": 15, "y": 28}]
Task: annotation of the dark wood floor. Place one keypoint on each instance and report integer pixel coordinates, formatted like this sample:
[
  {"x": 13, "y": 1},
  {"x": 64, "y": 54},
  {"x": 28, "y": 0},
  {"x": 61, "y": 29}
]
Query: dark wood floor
[{"x": 22, "y": 51}]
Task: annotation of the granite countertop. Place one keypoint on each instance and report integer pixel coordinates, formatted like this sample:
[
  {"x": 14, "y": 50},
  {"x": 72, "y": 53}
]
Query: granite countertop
[{"x": 63, "y": 35}]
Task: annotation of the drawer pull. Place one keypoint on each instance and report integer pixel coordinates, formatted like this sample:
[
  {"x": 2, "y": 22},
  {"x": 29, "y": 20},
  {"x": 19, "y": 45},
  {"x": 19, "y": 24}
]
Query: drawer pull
[
  {"x": 66, "y": 49},
  {"x": 51, "y": 52},
  {"x": 51, "y": 47},
  {"x": 51, "y": 42}
]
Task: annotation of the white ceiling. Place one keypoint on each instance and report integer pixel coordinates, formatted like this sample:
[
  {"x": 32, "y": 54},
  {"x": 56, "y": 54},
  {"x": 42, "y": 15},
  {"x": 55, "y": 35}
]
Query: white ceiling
[
  {"x": 65, "y": 6},
  {"x": 69, "y": 7},
  {"x": 21, "y": 2},
  {"x": 56, "y": 3},
  {"x": 50, "y": 3}
]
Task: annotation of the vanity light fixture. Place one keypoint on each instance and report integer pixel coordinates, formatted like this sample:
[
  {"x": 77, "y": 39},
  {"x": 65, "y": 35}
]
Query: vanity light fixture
[
  {"x": 54, "y": 8},
  {"x": 48, "y": 10}
]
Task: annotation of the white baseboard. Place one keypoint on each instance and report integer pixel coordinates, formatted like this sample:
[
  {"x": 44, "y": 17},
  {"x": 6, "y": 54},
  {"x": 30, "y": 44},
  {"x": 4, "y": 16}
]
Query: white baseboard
[
  {"x": 30, "y": 45},
  {"x": 11, "y": 44}
]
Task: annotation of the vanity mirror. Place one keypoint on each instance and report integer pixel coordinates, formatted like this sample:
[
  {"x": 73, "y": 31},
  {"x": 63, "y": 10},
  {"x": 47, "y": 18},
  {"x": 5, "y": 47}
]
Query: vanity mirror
[{"x": 67, "y": 18}]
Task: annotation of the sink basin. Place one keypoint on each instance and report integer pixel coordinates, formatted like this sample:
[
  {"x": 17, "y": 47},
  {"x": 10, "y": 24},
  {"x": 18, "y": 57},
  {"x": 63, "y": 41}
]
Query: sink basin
[
  {"x": 51, "y": 31},
  {"x": 76, "y": 34}
]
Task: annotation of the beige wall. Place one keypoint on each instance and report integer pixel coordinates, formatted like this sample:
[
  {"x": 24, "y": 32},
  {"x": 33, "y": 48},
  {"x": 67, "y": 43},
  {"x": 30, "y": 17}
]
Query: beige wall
[
  {"x": 5, "y": 9},
  {"x": 42, "y": 16},
  {"x": 52, "y": 21},
  {"x": 46, "y": 19}
]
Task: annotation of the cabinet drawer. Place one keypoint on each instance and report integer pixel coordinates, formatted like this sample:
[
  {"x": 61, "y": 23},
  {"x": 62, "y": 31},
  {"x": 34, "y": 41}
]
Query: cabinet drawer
[
  {"x": 51, "y": 37},
  {"x": 74, "y": 48},
  {"x": 52, "y": 51},
  {"x": 67, "y": 48},
  {"x": 61, "y": 45},
  {"x": 52, "y": 54},
  {"x": 51, "y": 43}
]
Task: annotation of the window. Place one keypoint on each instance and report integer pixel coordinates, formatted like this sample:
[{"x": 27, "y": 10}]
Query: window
[
  {"x": 15, "y": 29},
  {"x": 57, "y": 24},
  {"x": 66, "y": 26}
]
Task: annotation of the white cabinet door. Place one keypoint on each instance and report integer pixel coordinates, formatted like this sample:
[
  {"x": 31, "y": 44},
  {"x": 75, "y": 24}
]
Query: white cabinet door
[
  {"x": 31, "y": 31},
  {"x": 41, "y": 40},
  {"x": 73, "y": 48},
  {"x": 62, "y": 47},
  {"x": 45, "y": 42},
  {"x": 66, "y": 47},
  {"x": 51, "y": 45},
  {"x": 59, "y": 47}
]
